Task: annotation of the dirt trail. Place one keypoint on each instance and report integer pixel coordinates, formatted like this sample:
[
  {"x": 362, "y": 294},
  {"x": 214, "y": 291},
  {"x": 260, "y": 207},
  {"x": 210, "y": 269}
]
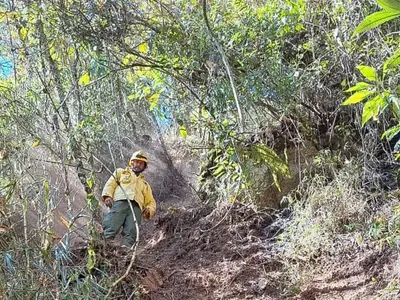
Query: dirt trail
[
  {"x": 230, "y": 253},
  {"x": 200, "y": 258}
]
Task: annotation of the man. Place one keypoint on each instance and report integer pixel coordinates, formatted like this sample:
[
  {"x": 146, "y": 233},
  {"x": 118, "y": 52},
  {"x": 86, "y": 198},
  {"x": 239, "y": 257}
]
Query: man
[{"x": 123, "y": 186}]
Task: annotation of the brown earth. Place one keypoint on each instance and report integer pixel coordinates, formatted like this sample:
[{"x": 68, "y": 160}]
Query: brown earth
[
  {"x": 231, "y": 252},
  {"x": 190, "y": 251}
]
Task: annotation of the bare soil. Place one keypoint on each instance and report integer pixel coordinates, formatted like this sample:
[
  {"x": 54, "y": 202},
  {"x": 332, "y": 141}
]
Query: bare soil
[
  {"x": 190, "y": 251},
  {"x": 231, "y": 252}
]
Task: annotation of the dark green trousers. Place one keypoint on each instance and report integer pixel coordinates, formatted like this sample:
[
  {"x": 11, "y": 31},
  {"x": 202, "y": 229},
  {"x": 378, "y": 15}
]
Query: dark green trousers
[{"x": 119, "y": 215}]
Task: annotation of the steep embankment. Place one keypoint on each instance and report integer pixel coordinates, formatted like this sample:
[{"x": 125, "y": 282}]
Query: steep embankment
[
  {"x": 232, "y": 253},
  {"x": 191, "y": 251}
]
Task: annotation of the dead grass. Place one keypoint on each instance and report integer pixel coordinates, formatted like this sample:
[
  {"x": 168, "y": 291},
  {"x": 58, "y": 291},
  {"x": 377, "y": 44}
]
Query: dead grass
[
  {"x": 342, "y": 224},
  {"x": 327, "y": 210},
  {"x": 333, "y": 203}
]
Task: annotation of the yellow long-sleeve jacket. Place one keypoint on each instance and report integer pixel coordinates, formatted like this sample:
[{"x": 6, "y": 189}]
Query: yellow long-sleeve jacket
[{"x": 135, "y": 187}]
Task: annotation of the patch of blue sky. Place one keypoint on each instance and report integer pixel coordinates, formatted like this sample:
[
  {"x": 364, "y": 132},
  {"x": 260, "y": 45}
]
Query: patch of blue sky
[
  {"x": 5, "y": 66},
  {"x": 163, "y": 115},
  {"x": 164, "y": 118}
]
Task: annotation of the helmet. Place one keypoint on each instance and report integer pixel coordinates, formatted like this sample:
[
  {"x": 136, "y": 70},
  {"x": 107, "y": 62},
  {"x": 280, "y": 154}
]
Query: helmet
[{"x": 139, "y": 155}]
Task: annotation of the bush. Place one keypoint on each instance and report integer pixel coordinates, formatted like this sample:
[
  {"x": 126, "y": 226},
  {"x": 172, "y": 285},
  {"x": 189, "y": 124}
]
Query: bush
[{"x": 332, "y": 202}]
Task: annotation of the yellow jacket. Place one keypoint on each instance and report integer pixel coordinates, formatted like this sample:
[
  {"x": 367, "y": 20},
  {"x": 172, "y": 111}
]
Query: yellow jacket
[{"x": 135, "y": 187}]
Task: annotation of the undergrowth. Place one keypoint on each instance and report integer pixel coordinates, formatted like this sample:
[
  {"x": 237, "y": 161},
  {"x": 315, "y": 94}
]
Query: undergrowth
[
  {"x": 336, "y": 214},
  {"x": 333, "y": 202},
  {"x": 80, "y": 273}
]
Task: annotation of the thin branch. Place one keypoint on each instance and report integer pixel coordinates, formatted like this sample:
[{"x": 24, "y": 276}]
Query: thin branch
[
  {"x": 118, "y": 281},
  {"x": 178, "y": 77},
  {"x": 226, "y": 64}
]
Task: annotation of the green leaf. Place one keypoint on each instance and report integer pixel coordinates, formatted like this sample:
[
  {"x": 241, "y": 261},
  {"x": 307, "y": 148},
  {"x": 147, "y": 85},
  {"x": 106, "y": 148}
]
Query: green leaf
[
  {"x": 357, "y": 97},
  {"x": 153, "y": 101},
  {"x": 225, "y": 123},
  {"x": 265, "y": 155},
  {"x": 23, "y": 33},
  {"x": 235, "y": 176},
  {"x": 46, "y": 193},
  {"x": 92, "y": 201},
  {"x": 393, "y": 5},
  {"x": 53, "y": 52},
  {"x": 154, "y": 97},
  {"x": 85, "y": 79},
  {"x": 90, "y": 182},
  {"x": 395, "y": 101},
  {"x": 146, "y": 90},
  {"x": 391, "y": 132},
  {"x": 276, "y": 182},
  {"x": 3, "y": 14},
  {"x": 359, "y": 86},
  {"x": 143, "y": 47},
  {"x": 128, "y": 59},
  {"x": 219, "y": 171},
  {"x": 153, "y": 105},
  {"x": 372, "y": 108},
  {"x": 368, "y": 72},
  {"x": 392, "y": 61},
  {"x": 71, "y": 51},
  {"x": 374, "y": 20},
  {"x": 91, "y": 260},
  {"x": 3, "y": 87},
  {"x": 36, "y": 143},
  {"x": 182, "y": 131}
]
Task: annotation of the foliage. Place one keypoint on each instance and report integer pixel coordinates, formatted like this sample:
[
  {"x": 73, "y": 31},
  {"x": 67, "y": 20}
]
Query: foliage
[
  {"x": 391, "y": 10},
  {"x": 328, "y": 221},
  {"x": 82, "y": 76},
  {"x": 384, "y": 227},
  {"x": 85, "y": 75},
  {"x": 381, "y": 94}
]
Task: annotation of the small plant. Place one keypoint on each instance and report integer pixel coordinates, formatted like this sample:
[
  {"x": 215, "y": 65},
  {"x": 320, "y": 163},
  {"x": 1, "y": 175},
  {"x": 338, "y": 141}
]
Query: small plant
[
  {"x": 377, "y": 229},
  {"x": 380, "y": 90},
  {"x": 386, "y": 229}
]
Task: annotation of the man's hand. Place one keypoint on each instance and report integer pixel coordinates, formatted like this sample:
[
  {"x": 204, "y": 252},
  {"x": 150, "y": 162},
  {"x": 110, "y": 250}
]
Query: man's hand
[
  {"x": 146, "y": 213},
  {"x": 109, "y": 202}
]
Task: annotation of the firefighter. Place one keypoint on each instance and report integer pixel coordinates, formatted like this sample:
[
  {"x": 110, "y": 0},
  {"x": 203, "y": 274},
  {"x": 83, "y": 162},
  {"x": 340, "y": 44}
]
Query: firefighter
[{"x": 123, "y": 186}]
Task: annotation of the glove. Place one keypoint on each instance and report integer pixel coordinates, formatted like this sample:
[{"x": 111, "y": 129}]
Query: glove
[
  {"x": 146, "y": 213},
  {"x": 109, "y": 202}
]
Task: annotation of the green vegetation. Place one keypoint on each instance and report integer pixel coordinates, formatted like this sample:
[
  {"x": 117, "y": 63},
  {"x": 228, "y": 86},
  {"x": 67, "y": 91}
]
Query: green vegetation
[{"x": 258, "y": 91}]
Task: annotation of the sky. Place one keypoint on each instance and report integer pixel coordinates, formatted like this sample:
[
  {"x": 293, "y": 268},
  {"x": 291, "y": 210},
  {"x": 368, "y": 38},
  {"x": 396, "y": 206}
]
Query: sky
[{"x": 5, "y": 67}]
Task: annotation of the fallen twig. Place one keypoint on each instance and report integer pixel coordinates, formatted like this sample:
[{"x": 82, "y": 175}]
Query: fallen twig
[
  {"x": 123, "y": 276},
  {"x": 219, "y": 223}
]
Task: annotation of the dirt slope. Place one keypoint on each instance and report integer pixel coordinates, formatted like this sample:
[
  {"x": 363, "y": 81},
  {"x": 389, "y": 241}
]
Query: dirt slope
[
  {"x": 208, "y": 255},
  {"x": 231, "y": 253}
]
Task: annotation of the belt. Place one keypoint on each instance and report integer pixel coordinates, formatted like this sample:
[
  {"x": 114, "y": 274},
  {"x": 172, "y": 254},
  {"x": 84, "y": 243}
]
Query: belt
[{"x": 134, "y": 201}]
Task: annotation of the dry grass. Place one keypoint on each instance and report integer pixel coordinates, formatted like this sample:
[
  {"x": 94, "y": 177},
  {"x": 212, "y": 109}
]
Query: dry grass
[{"x": 331, "y": 204}]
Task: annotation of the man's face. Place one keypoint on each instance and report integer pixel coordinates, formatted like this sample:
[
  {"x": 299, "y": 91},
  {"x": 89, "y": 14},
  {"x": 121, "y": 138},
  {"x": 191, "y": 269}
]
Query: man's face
[{"x": 137, "y": 165}]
